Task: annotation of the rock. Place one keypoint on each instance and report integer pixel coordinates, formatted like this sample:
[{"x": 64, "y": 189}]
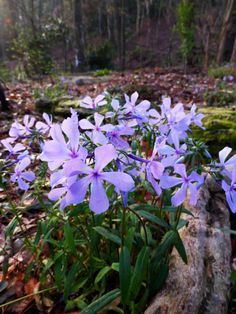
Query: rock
[{"x": 201, "y": 286}]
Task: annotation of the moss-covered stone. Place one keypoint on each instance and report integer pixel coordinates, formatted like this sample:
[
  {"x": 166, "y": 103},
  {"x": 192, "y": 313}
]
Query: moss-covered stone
[
  {"x": 220, "y": 124},
  {"x": 63, "y": 108}
]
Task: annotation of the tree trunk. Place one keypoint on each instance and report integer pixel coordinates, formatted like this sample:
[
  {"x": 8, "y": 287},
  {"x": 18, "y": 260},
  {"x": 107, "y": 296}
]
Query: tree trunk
[
  {"x": 233, "y": 55},
  {"x": 3, "y": 101},
  {"x": 201, "y": 286},
  {"x": 122, "y": 34},
  {"x": 79, "y": 41},
  {"x": 224, "y": 30}
]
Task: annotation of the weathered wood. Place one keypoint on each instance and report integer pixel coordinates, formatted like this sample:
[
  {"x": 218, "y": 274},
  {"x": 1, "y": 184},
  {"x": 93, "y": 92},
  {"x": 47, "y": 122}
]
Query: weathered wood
[{"x": 201, "y": 286}]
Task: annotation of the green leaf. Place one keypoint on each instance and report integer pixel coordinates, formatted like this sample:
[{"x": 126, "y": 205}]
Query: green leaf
[
  {"x": 11, "y": 227},
  {"x": 139, "y": 272},
  {"x": 5, "y": 265},
  {"x": 101, "y": 302},
  {"x": 227, "y": 230},
  {"x": 153, "y": 218},
  {"x": 102, "y": 273},
  {"x": 108, "y": 235},
  {"x": 180, "y": 248},
  {"x": 124, "y": 273},
  {"x": 171, "y": 209},
  {"x": 160, "y": 279},
  {"x": 129, "y": 239},
  {"x": 69, "y": 237},
  {"x": 146, "y": 207},
  {"x": 167, "y": 242},
  {"x": 70, "y": 280},
  {"x": 115, "y": 266},
  {"x": 141, "y": 305}
]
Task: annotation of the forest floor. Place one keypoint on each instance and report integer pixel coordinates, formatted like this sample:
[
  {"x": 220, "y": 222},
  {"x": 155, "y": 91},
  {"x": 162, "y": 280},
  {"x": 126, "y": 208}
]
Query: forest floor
[{"x": 151, "y": 84}]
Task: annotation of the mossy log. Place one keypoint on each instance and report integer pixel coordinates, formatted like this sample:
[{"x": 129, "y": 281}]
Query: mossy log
[
  {"x": 201, "y": 286},
  {"x": 220, "y": 124}
]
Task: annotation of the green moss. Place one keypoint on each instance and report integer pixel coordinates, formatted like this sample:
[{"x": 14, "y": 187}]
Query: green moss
[
  {"x": 225, "y": 70},
  {"x": 220, "y": 124}
]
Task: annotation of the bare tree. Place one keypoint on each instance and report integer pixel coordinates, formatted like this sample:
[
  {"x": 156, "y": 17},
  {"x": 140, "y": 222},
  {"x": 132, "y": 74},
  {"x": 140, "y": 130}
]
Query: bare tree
[{"x": 224, "y": 29}]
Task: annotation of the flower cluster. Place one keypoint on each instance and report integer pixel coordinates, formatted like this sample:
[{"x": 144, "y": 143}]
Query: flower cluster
[{"x": 86, "y": 156}]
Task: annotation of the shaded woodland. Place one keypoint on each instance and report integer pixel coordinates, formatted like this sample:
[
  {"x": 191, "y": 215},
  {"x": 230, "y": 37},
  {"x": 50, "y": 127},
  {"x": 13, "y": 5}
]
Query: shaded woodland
[{"x": 74, "y": 35}]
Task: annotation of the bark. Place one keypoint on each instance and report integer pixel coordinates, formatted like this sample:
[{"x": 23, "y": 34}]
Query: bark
[
  {"x": 201, "y": 286},
  {"x": 224, "y": 30},
  {"x": 122, "y": 35},
  {"x": 79, "y": 33},
  {"x": 233, "y": 55},
  {"x": 3, "y": 101}
]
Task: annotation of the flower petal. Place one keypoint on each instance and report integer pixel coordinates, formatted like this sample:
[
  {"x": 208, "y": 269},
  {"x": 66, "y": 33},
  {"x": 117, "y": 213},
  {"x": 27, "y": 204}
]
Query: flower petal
[
  {"x": 224, "y": 153},
  {"x": 24, "y": 163},
  {"x": 56, "y": 193},
  {"x": 86, "y": 125},
  {"x": 98, "y": 200},
  {"x": 22, "y": 184},
  {"x": 104, "y": 155},
  {"x": 77, "y": 191},
  {"x": 121, "y": 180},
  {"x": 167, "y": 182},
  {"x": 28, "y": 176},
  {"x": 179, "y": 197},
  {"x": 156, "y": 169},
  {"x": 98, "y": 118}
]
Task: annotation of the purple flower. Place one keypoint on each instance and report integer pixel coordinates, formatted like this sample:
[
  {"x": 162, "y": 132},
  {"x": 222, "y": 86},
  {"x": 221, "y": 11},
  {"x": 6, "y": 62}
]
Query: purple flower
[
  {"x": 230, "y": 191},
  {"x": 89, "y": 103},
  {"x": 12, "y": 149},
  {"x": 58, "y": 150},
  {"x": 115, "y": 134},
  {"x": 155, "y": 169},
  {"x": 63, "y": 193},
  {"x": 137, "y": 111},
  {"x": 191, "y": 182},
  {"x": 223, "y": 154},
  {"x": 97, "y": 136},
  {"x": 99, "y": 202},
  {"x": 116, "y": 107},
  {"x": 18, "y": 130},
  {"x": 172, "y": 153},
  {"x": 195, "y": 117},
  {"x": 19, "y": 176},
  {"x": 44, "y": 127},
  {"x": 176, "y": 123}
]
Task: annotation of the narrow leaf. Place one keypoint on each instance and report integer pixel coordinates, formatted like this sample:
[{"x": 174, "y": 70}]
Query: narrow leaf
[
  {"x": 180, "y": 248},
  {"x": 101, "y": 302},
  {"x": 124, "y": 273},
  {"x": 108, "y": 235},
  {"x": 69, "y": 237},
  {"x": 139, "y": 273},
  {"x": 102, "y": 273},
  {"x": 153, "y": 218}
]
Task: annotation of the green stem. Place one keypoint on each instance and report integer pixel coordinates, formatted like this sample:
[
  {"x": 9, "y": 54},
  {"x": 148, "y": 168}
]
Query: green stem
[
  {"x": 178, "y": 215},
  {"x": 27, "y": 296},
  {"x": 123, "y": 227},
  {"x": 143, "y": 224}
]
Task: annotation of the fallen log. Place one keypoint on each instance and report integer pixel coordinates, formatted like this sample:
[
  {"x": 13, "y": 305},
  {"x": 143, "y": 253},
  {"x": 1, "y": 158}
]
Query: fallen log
[{"x": 201, "y": 286}]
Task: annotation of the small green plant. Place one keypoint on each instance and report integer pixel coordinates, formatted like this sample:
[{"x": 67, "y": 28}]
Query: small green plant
[
  {"x": 33, "y": 54},
  {"x": 185, "y": 28},
  {"x": 5, "y": 74},
  {"x": 221, "y": 96},
  {"x": 102, "y": 72},
  {"x": 100, "y": 57},
  {"x": 222, "y": 71}
]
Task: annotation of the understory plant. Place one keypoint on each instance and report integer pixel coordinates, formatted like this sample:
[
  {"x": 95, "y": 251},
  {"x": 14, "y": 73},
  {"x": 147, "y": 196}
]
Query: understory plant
[{"x": 116, "y": 185}]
